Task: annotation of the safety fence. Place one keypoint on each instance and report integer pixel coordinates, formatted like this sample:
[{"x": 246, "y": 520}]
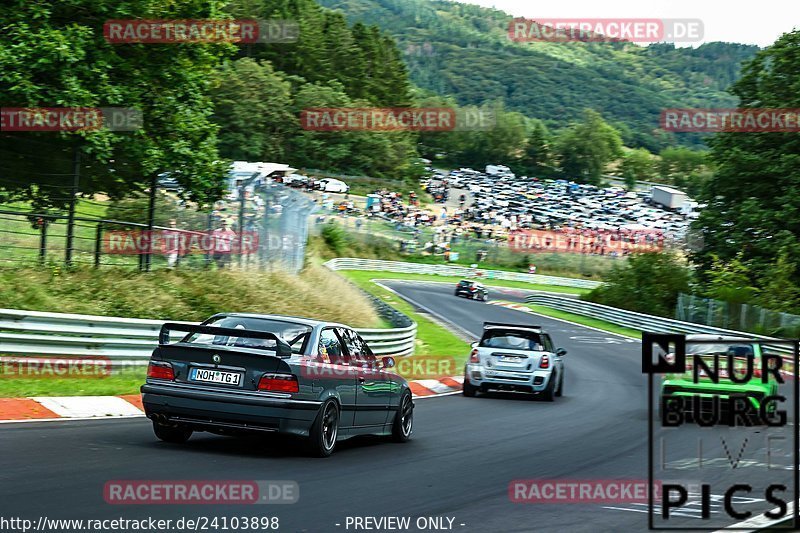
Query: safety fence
[
  {"x": 130, "y": 340},
  {"x": 349, "y": 263},
  {"x": 263, "y": 224},
  {"x": 745, "y": 317},
  {"x": 640, "y": 321}
]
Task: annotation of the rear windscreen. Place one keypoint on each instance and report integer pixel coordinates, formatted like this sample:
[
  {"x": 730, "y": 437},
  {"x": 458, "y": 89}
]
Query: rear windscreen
[
  {"x": 294, "y": 334},
  {"x": 512, "y": 340}
]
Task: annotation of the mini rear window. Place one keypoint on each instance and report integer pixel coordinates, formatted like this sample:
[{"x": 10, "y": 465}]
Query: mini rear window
[
  {"x": 511, "y": 339},
  {"x": 465, "y": 283}
]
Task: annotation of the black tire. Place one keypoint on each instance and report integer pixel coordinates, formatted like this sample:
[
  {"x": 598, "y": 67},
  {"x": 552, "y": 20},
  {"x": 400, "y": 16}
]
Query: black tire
[
  {"x": 548, "y": 395},
  {"x": 173, "y": 434},
  {"x": 323, "y": 433},
  {"x": 324, "y": 430},
  {"x": 403, "y": 424},
  {"x": 485, "y": 298},
  {"x": 560, "y": 390},
  {"x": 468, "y": 389}
]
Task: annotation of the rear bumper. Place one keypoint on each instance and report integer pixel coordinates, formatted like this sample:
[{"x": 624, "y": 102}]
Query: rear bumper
[
  {"x": 488, "y": 378},
  {"x": 228, "y": 411}
]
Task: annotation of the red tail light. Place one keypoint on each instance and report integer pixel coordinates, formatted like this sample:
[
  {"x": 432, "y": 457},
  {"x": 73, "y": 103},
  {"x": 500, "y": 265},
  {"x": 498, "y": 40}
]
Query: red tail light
[
  {"x": 473, "y": 356},
  {"x": 545, "y": 362},
  {"x": 279, "y": 383},
  {"x": 160, "y": 370}
]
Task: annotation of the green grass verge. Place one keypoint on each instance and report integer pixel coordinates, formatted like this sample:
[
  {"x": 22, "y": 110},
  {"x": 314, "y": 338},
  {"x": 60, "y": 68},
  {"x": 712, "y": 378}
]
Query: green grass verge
[
  {"x": 586, "y": 321},
  {"x": 126, "y": 381},
  {"x": 432, "y": 339},
  {"x": 366, "y": 275}
]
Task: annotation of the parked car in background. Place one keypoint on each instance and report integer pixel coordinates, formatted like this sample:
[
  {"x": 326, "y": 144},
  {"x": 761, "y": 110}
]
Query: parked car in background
[{"x": 333, "y": 185}]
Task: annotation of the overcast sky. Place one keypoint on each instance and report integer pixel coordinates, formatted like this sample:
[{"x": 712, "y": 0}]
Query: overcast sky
[{"x": 760, "y": 22}]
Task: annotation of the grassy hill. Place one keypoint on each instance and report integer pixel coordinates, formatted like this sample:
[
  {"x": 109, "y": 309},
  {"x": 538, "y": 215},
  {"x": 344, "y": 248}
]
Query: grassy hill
[{"x": 463, "y": 50}]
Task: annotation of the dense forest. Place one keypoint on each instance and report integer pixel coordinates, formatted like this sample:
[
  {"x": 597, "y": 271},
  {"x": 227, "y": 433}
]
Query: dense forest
[{"x": 463, "y": 50}]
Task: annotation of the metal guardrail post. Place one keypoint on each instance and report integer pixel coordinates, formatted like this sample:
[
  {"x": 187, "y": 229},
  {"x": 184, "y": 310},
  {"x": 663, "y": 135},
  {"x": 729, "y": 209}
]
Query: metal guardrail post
[
  {"x": 43, "y": 241},
  {"x": 98, "y": 239}
]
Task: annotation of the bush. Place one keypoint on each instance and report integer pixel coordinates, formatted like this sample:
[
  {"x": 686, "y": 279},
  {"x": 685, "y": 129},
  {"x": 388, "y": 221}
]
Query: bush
[
  {"x": 335, "y": 238},
  {"x": 647, "y": 283}
]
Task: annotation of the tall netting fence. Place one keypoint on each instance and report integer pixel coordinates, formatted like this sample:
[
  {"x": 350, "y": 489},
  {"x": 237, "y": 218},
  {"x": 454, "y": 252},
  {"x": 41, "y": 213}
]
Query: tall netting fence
[
  {"x": 263, "y": 225},
  {"x": 736, "y": 316}
]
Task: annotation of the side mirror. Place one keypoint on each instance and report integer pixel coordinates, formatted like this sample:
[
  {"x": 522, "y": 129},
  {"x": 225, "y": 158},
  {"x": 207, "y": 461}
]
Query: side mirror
[
  {"x": 561, "y": 352},
  {"x": 387, "y": 362}
]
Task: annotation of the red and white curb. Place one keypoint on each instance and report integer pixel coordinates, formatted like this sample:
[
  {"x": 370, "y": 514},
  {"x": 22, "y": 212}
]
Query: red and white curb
[
  {"x": 45, "y": 408},
  {"x": 423, "y": 388},
  {"x": 512, "y": 305}
]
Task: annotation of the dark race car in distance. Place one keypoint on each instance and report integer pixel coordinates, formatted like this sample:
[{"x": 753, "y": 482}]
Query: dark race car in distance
[
  {"x": 247, "y": 373},
  {"x": 472, "y": 289}
]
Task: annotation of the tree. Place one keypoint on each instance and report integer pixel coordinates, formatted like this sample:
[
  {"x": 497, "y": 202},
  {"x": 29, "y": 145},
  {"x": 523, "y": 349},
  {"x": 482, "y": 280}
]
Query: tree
[
  {"x": 55, "y": 55},
  {"x": 253, "y": 106},
  {"x": 685, "y": 168},
  {"x": 585, "y": 149},
  {"x": 730, "y": 281},
  {"x": 637, "y": 165},
  {"x": 538, "y": 156},
  {"x": 647, "y": 283},
  {"x": 753, "y": 197}
]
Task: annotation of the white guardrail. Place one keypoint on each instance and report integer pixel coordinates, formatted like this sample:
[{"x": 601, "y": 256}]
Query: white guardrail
[
  {"x": 34, "y": 333},
  {"x": 639, "y": 321},
  {"x": 348, "y": 263}
]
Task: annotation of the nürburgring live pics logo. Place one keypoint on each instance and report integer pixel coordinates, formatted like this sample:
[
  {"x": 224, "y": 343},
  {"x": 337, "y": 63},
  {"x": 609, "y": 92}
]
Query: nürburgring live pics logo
[{"x": 721, "y": 418}]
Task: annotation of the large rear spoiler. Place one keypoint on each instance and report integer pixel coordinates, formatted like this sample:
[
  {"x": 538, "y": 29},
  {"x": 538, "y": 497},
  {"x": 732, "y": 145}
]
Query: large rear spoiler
[
  {"x": 282, "y": 349},
  {"x": 505, "y": 324}
]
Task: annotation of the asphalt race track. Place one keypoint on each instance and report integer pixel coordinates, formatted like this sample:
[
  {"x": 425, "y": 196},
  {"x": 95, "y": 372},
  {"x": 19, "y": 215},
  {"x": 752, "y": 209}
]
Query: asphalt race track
[{"x": 464, "y": 453}]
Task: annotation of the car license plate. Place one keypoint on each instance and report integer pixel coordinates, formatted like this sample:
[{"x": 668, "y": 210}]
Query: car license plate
[
  {"x": 509, "y": 359},
  {"x": 215, "y": 376}
]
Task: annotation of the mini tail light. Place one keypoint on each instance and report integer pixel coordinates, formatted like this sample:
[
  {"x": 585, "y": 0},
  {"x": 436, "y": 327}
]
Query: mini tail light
[
  {"x": 473, "y": 356},
  {"x": 279, "y": 383},
  {"x": 545, "y": 362},
  {"x": 160, "y": 370}
]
